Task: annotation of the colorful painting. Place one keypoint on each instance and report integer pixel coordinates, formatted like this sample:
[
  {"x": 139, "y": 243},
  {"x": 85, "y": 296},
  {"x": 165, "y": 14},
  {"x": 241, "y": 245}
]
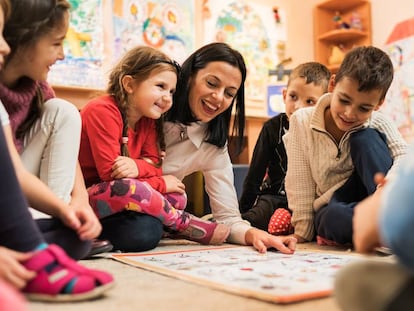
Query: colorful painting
[
  {"x": 162, "y": 24},
  {"x": 100, "y": 31},
  {"x": 252, "y": 29},
  {"x": 83, "y": 47},
  {"x": 272, "y": 277},
  {"x": 399, "y": 104}
]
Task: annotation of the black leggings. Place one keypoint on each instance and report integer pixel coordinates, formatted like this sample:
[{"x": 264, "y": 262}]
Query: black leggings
[{"x": 18, "y": 230}]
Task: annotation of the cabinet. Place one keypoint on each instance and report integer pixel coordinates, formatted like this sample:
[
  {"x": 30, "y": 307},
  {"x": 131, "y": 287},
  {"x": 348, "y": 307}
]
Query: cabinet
[{"x": 331, "y": 35}]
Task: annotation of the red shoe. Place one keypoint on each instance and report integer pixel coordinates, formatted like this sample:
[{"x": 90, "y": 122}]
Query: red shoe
[
  {"x": 280, "y": 222},
  {"x": 204, "y": 232},
  {"x": 59, "y": 278}
]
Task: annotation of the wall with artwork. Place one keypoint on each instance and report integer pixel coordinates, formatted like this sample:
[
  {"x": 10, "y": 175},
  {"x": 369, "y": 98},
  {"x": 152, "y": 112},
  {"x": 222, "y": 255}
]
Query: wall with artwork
[{"x": 102, "y": 30}]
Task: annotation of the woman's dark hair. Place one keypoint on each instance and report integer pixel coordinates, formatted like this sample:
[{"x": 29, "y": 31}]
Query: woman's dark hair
[
  {"x": 30, "y": 20},
  {"x": 218, "y": 128}
]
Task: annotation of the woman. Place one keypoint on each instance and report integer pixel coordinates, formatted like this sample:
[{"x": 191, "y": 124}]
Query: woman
[{"x": 196, "y": 135}]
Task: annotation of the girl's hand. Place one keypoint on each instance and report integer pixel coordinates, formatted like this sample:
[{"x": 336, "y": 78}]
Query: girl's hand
[
  {"x": 173, "y": 184},
  {"x": 90, "y": 227},
  {"x": 124, "y": 167},
  {"x": 11, "y": 269},
  {"x": 261, "y": 240},
  {"x": 80, "y": 217}
]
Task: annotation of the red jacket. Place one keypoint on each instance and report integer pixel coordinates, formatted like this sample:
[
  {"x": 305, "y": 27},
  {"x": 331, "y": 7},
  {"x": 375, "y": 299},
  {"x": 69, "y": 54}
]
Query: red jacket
[{"x": 101, "y": 143}]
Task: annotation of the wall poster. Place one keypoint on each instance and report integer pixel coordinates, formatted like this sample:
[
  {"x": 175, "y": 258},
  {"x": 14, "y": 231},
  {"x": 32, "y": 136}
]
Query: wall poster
[
  {"x": 399, "y": 102},
  {"x": 101, "y": 31},
  {"x": 253, "y": 29}
]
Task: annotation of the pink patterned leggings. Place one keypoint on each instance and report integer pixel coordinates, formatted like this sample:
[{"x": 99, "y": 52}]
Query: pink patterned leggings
[{"x": 112, "y": 197}]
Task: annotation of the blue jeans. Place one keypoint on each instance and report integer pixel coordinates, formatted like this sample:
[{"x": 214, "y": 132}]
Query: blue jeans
[
  {"x": 370, "y": 155},
  {"x": 130, "y": 231}
]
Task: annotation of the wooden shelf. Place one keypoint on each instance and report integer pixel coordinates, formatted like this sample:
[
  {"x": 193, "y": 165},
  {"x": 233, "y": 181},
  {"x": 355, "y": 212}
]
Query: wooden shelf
[
  {"x": 326, "y": 35},
  {"x": 343, "y": 35},
  {"x": 339, "y": 5}
]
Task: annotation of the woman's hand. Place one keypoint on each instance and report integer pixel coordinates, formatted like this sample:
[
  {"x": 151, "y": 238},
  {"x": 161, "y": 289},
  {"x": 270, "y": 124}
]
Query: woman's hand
[
  {"x": 11, "y": 269},
  {"x": 173, "y": 184},
  {"x": 124, "y": 167},
  {"x": 262, "y": 240}
]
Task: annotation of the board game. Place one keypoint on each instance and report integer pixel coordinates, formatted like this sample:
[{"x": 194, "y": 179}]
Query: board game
[{"x": 272, "y": 277}]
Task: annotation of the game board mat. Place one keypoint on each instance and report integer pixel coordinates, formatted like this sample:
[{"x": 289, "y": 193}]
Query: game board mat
[{"x": 272, "y": 277}]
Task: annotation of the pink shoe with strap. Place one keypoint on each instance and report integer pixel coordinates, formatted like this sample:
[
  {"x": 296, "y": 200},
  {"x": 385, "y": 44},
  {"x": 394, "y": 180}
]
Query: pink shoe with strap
[
  {"x": 60, "y": 278},
  {"x": 204, "y": 232}
]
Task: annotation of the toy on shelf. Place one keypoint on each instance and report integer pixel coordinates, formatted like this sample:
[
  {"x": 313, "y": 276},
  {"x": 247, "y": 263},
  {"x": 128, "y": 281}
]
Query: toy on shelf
[
  {"x": 355, "y": 21},
  {"x": 276, "y": 14},
  {"x": 339, "y": 22},
  {"x": 337, "y": 55}
]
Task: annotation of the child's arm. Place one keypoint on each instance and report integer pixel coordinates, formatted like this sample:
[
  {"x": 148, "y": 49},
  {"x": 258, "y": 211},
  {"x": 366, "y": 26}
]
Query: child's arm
[
  {"x": 300, "y": 186},
  {"x": 257, "y": 168},
  {"x": 38, "y": 194}
]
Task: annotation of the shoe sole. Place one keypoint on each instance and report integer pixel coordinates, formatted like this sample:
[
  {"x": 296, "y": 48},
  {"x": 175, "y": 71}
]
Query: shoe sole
[
  {"x": 99, "y": 250},
  {"x": 95, "y": 293}
]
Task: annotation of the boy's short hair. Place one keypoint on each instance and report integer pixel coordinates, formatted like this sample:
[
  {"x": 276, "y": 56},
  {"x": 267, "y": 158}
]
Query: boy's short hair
[
  {"x": 371, "y": 67},
  {"x": 312, "y": 72}
]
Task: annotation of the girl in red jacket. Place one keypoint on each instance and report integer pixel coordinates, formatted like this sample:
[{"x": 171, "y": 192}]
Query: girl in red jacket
[{"x": 122, "y": 148}]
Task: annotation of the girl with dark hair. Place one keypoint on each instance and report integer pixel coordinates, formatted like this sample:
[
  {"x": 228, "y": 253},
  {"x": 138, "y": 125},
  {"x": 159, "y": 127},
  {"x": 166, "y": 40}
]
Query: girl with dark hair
[{"x": 210, "y": 87}]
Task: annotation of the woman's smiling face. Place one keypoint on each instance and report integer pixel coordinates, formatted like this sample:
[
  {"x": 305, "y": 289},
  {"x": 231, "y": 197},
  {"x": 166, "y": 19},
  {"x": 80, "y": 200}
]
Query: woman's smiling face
[{"x": 213, "y": 89}]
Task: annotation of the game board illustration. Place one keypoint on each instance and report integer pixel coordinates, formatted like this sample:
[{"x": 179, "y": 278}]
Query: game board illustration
[{"x": 272, "y": 277}]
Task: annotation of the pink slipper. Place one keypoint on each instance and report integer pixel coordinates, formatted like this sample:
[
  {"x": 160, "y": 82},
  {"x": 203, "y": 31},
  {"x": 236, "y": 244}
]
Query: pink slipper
[
  {"x": 204, "y": 232},
  {"x": 59, "y": 278}
]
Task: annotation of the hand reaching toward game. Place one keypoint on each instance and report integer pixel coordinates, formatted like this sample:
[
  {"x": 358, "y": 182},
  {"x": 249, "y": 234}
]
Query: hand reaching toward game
[
  {"x": 124, "y": 167},
  {"x": 365, "y": 222},
  {"x": 261, "y": 240}
]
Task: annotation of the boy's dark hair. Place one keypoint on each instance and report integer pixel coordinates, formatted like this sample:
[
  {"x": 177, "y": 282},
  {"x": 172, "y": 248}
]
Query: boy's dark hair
[
  {"x": 370, "y": 67},
  {"x": 312, "y": 72},
  {"x": 218, "y": 128}
]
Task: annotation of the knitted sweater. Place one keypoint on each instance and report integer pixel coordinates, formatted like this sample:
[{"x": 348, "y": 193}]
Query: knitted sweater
[
  {"x": 318, "y": 166},
  {"x": 18, "y": 101}
]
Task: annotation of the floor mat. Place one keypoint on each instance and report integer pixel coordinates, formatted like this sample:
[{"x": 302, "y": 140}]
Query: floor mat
[{"x": 272, "y": 277}]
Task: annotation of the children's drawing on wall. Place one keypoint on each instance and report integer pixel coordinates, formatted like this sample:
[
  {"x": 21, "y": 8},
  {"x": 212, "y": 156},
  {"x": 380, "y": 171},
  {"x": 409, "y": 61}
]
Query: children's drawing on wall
[
  {"x": 165, "y": 25},
  {"x": 83, "y": 47},
  {"x": 399, "y": 104},
  {"x": 255, "y": 30}
]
